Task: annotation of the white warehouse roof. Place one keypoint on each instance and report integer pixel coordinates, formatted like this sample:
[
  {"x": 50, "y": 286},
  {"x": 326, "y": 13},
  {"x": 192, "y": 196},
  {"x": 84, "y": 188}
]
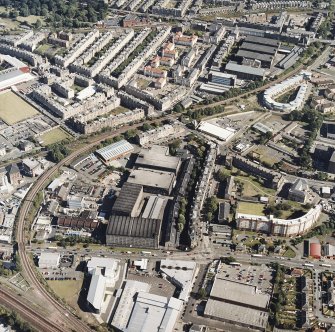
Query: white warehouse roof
[
  {"x": 223, "y": 134},
  {"x": 115, "y": 150},
  {"x": 153, "y": 313},
  {"x": 96, "y": 291},
  {"x": 49, "y": 260}
]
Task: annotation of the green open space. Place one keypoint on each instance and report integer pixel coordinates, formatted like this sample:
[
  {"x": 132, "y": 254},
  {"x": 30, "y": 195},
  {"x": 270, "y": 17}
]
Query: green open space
[
  {"x": 252, "y": 187},
  {"x": 31, "y": 19},
  {"x": 53, "y": 136},
  {"x": 66, "y": 289},
  {"x": 250, "y": 208},
  {"x": 43, "y": 48},
  {"x": 289, "y": 253},
  {"x": 14, "y": 109},
  {"x": 267, "y": 155}
]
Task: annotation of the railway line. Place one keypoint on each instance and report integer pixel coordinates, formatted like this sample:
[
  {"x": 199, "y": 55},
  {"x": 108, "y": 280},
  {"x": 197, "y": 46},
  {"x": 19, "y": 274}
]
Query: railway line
[
  {"x": 67, "y": 320},
  {"x": 30, "y": 315}
]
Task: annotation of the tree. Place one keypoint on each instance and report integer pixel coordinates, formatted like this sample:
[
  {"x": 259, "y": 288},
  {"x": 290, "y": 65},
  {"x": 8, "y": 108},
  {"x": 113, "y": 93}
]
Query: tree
[
  {"x": 146, "y": 127},
  {"x": 202, "y": 294},
  {"x": 222, "y": 175},
  {"x": 181, "y": 219},
  {"x": 38, "y": 24}
]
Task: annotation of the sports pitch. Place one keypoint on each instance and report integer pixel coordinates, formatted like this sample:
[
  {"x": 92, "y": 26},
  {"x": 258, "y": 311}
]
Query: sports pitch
[
  {"x": 53, "y": 136},
  {"x": 14, "y": 109}
]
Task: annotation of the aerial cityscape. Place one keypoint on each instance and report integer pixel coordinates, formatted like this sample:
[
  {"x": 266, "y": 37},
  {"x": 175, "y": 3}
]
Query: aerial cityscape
[{"x": 167, "y": 166}]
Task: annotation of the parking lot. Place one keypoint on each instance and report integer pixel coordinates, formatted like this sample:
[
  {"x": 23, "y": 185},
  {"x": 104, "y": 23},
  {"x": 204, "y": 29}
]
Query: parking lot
[{"x": 258, "y": 276}]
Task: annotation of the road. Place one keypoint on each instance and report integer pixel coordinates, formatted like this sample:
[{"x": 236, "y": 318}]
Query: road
[
  {"x": 66, "y": 320},
  {"x": 255, "y": 91},
  {"x": 61, "y": 315}
]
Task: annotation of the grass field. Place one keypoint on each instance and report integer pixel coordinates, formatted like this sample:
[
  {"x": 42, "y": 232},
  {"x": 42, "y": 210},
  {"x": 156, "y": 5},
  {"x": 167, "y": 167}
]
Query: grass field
[
  {"x": 251, "y": 187},
  {"x": 289, "y": 253},
  {"x": 14, "y": 109},
  {"x": 250, "y": 208},
  {"x": 66, "y": 289},
  {"x": 53, "y": 136}
]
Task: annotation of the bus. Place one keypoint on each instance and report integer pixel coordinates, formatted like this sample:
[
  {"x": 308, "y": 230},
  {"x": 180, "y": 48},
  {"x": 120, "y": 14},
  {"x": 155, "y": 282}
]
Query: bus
[
  {"x": 256, "y": 255},
  {"x": 325, "y": 265},
  {"x": 308, "y": 264},
  {"x": 235, "y": 264},
  {"x": 146, "y": 252}
]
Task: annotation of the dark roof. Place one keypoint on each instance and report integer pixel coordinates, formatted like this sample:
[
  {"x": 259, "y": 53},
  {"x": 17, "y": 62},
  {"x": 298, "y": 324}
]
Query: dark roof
[
  {"x": 259, "y": 48},
  {"x": 236, "y": 68},
  {"x": 12, "y": 169},
  {"x": 254, "y": 55},
  {"x": 127, "y": 198},
  {"x": 133, "y": 227},
  {"x": 77, "y": 222},
  {"x": 262, "y": 41}
]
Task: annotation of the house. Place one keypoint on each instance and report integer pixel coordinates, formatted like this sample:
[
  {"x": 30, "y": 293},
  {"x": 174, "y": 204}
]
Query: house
[
  {"x": 31, "y": 167},
  {"x": 26, "y": 146},
  {"x": 14, "y": 174},
  {"x": 299, "y": 191}
]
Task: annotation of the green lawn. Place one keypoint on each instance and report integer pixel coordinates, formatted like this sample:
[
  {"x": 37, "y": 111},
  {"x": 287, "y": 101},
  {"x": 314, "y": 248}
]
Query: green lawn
[
  {"x": 250, "y": 208},
  {"x": 53, "y": 136},
  {"x": 43, "y": 48},
  {"x": 253, "y": 188},
  {"x": 289, "y": 253}
]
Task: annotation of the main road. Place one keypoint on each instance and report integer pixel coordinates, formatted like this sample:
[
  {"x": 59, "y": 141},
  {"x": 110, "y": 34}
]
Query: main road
[{"x": 67, "y": 320}]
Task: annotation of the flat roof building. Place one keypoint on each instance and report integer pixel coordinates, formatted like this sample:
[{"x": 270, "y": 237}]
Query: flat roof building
[
  {"x": 238, "y": 303},
  {"x": 49, "y": 260},
  {"x": 129, "y": 200},
  {"x": 158, "y": 158},
  {"x": 152, "y": 313},
  {"x": 262, "y": 41},
  {"x": 263, "y": 49},
  {"x": 223, "y": 134},
  {"x": 138, "y": 232},
  {"x": 105, "y": 272},
  {"x": 126, "y": 302},
  {"x": 266, "y": 59},
  {"x": 115, "y": 151},
  {"x": 181, "y": 274},
  {"x": 153, "y": 181},
  {"x": 154, "y": 207},
  {"x": 245, "y": 72}
]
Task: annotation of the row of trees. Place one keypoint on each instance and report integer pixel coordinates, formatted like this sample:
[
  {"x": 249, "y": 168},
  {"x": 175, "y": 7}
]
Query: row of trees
[
  {"x": 73, "y": 240},
  {"x": 73, "y": 13},
  {"x": 313, "y": 120},
  {"x": 211, "y": 207}
]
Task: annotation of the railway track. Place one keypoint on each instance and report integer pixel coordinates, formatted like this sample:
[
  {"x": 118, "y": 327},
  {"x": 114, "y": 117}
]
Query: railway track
[
  {"x": 28, "y": 314},
  {"x": 66, "y": 319}
]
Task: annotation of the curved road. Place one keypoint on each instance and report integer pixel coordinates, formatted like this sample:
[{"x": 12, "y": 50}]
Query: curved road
[{"x": 65, "y": 318}]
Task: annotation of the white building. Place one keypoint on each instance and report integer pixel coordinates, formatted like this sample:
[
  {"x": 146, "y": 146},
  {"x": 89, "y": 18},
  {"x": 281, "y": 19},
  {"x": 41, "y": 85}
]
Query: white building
[
  {"x": 181, "y": 274},
  {"x": 152, "y": 313},
  {"x": 276, "y": 226},
  {"x": 49, "y": 260},
  {"x": 297, "y": 81},
  {"x": 223, "y": 134},
  {"x": 105, "y": 273}
]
